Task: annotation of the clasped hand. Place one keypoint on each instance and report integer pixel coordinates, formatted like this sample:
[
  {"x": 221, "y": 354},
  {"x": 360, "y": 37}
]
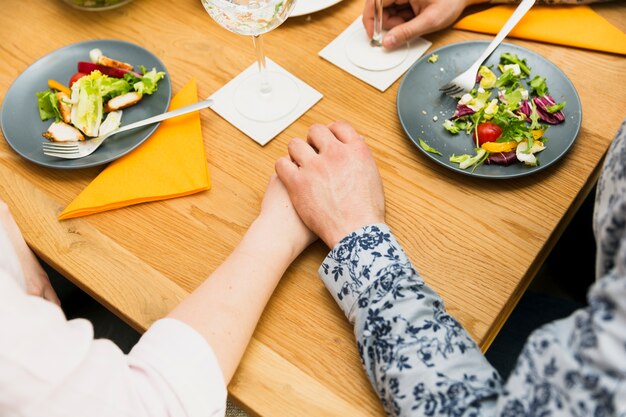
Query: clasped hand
[{"x": 333, "y": 181}]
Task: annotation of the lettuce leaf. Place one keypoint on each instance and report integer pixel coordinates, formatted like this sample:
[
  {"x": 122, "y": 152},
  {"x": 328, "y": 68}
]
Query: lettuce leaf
[
  {"x": 112, "y": 87},
  {"x": 147, "y": 84},
  {"x": 87, "y": 112},
  {"x": 48, "y": 105},
  {"x": 454, "y": 126},
  {"x": 427, "y": 147},
  {"x": 539, "y": 86},
  {"x": 557, "y": 107},
  {"x": 508, "y": 59},
  {"x": 466, "y": 161}
]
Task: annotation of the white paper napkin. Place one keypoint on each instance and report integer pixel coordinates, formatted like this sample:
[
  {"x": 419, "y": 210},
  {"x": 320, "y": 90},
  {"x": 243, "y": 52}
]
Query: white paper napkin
[
  {"x": 262, "y": 132},
  {"x": 354, "y": 37}
]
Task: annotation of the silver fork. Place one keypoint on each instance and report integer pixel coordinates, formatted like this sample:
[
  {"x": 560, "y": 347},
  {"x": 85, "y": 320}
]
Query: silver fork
[
  {"x": 74, "y": 150},
  {"x": 465, "y": 81}
]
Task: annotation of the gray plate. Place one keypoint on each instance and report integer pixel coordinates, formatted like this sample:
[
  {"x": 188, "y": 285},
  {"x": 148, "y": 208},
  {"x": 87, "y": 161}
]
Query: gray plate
[
  {"x": 22, "y": 127},
  {"x": 419, "y": 100}
]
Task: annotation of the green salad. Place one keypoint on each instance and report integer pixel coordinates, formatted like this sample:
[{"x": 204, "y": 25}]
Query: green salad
[{"x": 506, "y": 116}]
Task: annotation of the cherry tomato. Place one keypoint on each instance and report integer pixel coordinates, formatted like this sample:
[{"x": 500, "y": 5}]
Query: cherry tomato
[
  {"x": 487, "y": 132},
  {"x": 76, "y": 77}
]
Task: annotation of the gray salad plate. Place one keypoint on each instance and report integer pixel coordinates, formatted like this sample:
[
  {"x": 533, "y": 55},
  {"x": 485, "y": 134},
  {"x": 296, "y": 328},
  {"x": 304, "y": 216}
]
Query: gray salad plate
[
  {"x": 22, "y": 127},
  {"x": 422, "y": 108}
]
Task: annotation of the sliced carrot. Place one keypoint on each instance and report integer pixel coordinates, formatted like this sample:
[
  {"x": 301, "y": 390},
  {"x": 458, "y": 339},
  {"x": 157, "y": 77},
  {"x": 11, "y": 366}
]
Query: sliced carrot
[{"x": 59, "y": 87}]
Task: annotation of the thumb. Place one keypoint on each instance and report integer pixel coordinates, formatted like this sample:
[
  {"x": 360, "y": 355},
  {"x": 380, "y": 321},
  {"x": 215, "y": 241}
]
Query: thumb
[
  {"x": 423, "y": 23},
  {"x": 286, "y": 170}
]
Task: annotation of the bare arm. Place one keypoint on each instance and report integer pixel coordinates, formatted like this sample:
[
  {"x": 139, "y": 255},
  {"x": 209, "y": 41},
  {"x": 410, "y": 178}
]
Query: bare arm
[{"x": 226, "y": 307}]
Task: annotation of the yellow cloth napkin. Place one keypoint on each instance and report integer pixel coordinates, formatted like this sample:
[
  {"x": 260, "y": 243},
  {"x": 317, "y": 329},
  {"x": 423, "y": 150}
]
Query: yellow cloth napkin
[
  {"x": 577, "y": 26},
  {"x": 171, "y": 163}
]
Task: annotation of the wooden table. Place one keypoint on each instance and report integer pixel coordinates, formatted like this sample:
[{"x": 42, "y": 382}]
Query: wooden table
[{"x": 140, "y": 261}]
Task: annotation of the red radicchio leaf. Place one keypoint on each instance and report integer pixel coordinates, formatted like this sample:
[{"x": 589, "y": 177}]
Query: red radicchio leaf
[
  {"x": 542, "y": 104},
  {"x": 501, "y": 158},
  {"x": 525, "y": 109},
  {"x": 461, "y": 110}
]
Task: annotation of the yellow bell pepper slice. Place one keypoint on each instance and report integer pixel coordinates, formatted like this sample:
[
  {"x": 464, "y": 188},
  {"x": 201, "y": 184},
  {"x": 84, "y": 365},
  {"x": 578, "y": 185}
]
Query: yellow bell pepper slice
[
  {"x": 499, "y": 146},
  {"x": 59, "y": 87}
]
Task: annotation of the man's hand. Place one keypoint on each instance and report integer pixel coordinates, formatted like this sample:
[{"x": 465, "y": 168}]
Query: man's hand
[
  {"x": 333, "y": 181},
  {"x": 408, "y": 19}
]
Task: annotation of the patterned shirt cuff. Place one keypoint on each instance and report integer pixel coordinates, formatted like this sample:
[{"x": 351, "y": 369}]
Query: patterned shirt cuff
[{"x": 357, "y": 261}]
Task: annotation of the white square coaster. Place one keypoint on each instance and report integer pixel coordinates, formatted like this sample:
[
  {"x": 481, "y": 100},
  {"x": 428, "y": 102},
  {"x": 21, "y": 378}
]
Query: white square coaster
[
  {"x": 262, "y": 132},
  {"x": 339, "y": 50}
]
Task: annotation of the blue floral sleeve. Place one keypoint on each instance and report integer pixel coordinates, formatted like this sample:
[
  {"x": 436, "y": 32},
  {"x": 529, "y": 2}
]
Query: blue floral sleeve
[
  {"x": 417, "y": 356},
  {"x": 422, "y": 362}
]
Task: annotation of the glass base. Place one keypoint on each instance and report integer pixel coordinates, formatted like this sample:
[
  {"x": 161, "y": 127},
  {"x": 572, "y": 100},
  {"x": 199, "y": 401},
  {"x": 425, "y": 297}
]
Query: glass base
[
  {"x": 277, "y": 100},
  {"x": 373, "y": 58}
]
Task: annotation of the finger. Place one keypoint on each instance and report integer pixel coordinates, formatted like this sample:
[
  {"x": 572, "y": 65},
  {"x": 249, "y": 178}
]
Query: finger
[
  {"x": 368, "y": 17},
  {"x": 426, "y": 22},
  {"x": 394, "y": 21},
  {"x": 344, "y": 132},
  {"x": 320, "y": 137},
  {"x": 300, "y": 151},
  {"x": 286, "y": 170},
  {"x": 368, "y": 13}
]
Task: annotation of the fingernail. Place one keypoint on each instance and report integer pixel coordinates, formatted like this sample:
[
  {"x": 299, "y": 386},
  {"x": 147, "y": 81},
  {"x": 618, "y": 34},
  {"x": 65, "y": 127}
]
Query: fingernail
[{"x": 390, "y": 40}]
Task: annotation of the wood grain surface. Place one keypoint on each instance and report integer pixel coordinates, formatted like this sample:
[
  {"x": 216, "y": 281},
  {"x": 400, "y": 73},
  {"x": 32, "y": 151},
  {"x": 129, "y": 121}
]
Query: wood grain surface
[{"x": 140, "y": 261}]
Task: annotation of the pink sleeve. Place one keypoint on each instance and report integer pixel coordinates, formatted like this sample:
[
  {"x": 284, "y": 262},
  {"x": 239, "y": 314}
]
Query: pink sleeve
[{"x": 53, "y": 367}]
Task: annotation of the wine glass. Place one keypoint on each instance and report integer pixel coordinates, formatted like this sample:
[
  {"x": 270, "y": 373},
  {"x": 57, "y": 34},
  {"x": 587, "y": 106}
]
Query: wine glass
[{"x": 266, "y": 95}]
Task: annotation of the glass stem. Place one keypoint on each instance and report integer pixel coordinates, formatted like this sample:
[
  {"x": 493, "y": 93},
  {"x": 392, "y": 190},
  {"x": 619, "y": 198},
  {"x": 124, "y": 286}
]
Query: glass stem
[
  {"x": 377, "y": 38},
  {"x": 265, "y": 87}
]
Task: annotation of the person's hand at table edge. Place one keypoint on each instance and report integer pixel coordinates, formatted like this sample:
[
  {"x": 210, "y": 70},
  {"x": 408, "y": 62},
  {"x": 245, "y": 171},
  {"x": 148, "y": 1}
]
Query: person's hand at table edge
[
  {"x": 36, "y": 280},
  {"x": 333, "y": 181}
]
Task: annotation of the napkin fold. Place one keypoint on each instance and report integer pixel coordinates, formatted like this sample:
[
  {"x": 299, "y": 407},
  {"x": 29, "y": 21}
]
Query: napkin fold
[
  {"x": 577, "y": 26},
  {"x": 171, "y": 163}
]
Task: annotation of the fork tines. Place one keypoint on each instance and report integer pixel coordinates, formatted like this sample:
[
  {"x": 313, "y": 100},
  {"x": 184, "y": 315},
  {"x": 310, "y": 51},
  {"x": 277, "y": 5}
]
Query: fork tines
[
  {"x": 60, "y": 148},
  {"x": 451, "y": 89}
]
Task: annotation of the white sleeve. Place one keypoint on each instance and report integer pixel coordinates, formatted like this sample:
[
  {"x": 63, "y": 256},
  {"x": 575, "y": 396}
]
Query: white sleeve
[{"x": 50, "y": 366}]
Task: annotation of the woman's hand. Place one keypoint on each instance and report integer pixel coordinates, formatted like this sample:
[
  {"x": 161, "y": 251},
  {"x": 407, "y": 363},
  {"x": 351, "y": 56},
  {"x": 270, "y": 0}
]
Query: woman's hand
[
  {"x": 409, "y": 19},
  {"x": 37, "y": 281},
  {"x": 333, "y": 181},
  {"x": 280, "y": 217}
]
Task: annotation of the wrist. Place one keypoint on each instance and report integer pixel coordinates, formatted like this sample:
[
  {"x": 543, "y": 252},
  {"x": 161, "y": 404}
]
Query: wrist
[
  {"x": 339, "y": 233},
  {"x": 276, "y": 240}
]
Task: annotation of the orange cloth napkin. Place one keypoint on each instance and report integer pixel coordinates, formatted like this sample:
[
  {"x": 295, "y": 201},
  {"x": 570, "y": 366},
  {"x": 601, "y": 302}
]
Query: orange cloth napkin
[
  {"x": 171, "y": 163},
  {"x": 577, "y": 26}
]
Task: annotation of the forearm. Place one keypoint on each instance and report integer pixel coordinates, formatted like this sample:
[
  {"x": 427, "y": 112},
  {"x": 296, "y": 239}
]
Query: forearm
[
  {"x": 415, "y": 354},
  {"x": 226, "y": 307}
]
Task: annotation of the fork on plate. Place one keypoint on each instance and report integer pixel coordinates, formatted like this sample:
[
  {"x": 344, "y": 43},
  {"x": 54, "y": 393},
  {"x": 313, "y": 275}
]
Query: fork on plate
[
  {"x": 465, "y": 81},
  {"x": 75, "y": 150}
]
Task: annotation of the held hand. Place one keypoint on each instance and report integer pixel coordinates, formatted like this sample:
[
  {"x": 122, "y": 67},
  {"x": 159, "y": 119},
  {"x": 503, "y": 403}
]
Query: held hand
[
  {"x": 408, "y": 19},
  {"x": 37, "y": 281},
  {"x": 333, "y": 181},
  {"x": 278, "y": 213}
]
